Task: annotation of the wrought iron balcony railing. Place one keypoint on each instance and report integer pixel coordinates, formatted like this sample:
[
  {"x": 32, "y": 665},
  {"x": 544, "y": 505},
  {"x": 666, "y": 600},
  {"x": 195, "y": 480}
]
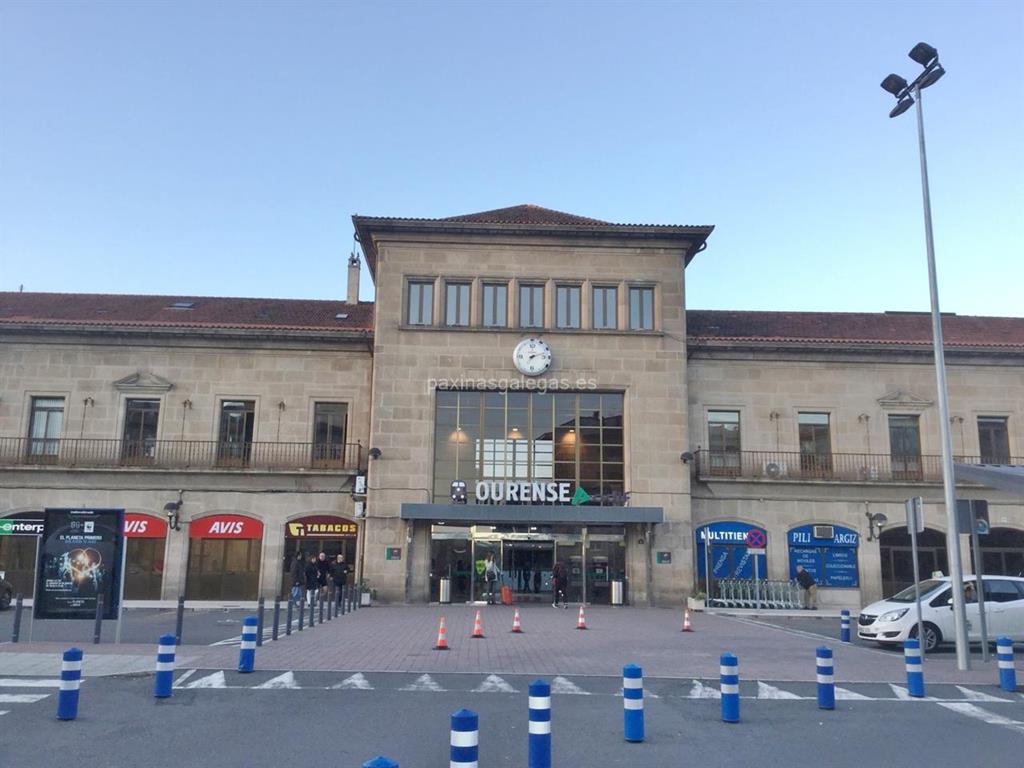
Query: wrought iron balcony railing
[
  {"x": 835, "y": 467},
  {"x": 179, "y": 454}
]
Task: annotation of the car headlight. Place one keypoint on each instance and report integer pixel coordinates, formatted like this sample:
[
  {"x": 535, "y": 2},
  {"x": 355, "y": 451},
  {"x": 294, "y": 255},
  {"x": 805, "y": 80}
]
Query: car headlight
[{"x": 894, "y": 615}]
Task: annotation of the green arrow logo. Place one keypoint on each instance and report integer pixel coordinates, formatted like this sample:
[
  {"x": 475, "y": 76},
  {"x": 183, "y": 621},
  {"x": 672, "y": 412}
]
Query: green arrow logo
[{"x": 580, "y": 497}]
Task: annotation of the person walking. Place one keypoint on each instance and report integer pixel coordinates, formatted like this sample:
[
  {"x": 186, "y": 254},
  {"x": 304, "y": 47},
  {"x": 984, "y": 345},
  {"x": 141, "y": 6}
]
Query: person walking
[
  {"x": 323, "y": 572},
  {"x": 810, "y": 588},
  {"x": 490, "y": 576},
  {"x": 339, "y": 575},
  {"x": 559, "y": 585},
  {"x": 312, "y": 574},
  {"x": 298, "y": 576}
]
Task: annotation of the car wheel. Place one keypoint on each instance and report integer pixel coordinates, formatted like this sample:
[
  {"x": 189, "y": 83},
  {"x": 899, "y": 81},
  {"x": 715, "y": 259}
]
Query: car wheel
[
  {"x": 5, "y": 601},
  {"x": 932, "y": 636}
]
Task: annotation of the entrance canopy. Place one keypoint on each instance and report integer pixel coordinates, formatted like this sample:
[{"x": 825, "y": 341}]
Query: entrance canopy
[
  {"x": 531, "y": 513},
  {"x": 1005, "y": 477}
]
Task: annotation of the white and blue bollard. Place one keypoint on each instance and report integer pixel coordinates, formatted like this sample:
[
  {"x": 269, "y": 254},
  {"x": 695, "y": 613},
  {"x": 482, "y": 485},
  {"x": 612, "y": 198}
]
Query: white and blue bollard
[
  {"x": 844, "y": 626},
  {"x": 247, "y": 654},
  {"x": 1007, "y": 672},
  {"x": 915, "y": 671},
  {"x": 70, "y": 682},
  {"x": 380, "y": 762},
  {"x": 465, "y": 741},
  {"x": 730, "y": 683},
  {"x": 826, "y": 679},
  {"x": 164, "y": 667},
  {"x": 540, "y": 725},
  {"x": 633, "y": 702}
]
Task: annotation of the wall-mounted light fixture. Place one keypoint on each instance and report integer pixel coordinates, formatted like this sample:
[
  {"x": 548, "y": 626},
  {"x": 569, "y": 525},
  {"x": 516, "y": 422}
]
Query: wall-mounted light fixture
[
  {"x": 173, "y": 511},
  {"x": 686, "y": 457},
  {"x": 375, "y": 453},
  {"x": 876, "y": 522}
]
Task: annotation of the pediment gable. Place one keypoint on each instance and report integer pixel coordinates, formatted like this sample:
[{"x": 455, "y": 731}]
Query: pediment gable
[
  {"x": 143, "y": 383},
  {"x": 900, "y": 398}
]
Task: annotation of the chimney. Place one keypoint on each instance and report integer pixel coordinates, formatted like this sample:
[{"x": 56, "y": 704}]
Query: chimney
[{"x": 353, "y": 279}]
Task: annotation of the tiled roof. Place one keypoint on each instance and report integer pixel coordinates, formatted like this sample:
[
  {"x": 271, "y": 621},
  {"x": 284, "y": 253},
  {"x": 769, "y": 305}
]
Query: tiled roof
[
  {"x": 191, "y": 312},
  {"x": 912, "y": 328},
  {"x": 525, "y": 214}
]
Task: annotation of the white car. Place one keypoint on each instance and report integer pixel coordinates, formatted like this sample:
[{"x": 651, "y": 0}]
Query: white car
[{"x": 894, "y": 619}]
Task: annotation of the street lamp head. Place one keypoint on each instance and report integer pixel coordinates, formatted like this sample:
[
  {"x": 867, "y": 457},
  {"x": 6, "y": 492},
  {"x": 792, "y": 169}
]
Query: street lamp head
[
  {"x": 932, "y": 76},
  {"x": 904, "y": 104},
  {"x": 923, "y": 54},
  {"x": 894, "y": 84}
]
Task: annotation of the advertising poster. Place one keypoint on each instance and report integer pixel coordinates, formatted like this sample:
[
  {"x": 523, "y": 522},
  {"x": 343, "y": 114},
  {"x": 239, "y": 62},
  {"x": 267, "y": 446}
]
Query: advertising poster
[{"x": 79, "y": 559}]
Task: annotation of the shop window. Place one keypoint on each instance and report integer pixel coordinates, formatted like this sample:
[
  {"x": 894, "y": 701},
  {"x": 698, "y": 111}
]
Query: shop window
[
  {"x": 531, "y": 306},
  {"x": 724, "y": 442},
  {"x": 605, "y": 307},
  {"x": 905, "y": 447},
  {"x": 827, "y": 552},
  {"x": 329, "y": 420},
  {"x": 45, "y": 426},
  {"x": 420, "y": 303},
  {"x": 138, "y": 441},
  {"x": 994, "y": 439},
  {"x": 495, "y": 305},
  {"x": 567, "y": 306},
  {"x": 18, "y": 549},
  {"x": 237, "y": 419},
  {"x": 456, "y": 304},
  {"x": 641, "y": 309},
  {"x": 722, "y": 552},
  {"x": 815, "y": 444}
]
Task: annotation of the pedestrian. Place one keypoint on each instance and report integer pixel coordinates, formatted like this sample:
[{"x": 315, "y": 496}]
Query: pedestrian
[
  {"x": 323, "y": 571},
  {"x": 490, "y": 576},
  {"x": 312, "y": 574},
  {"x": 298, "y": 574},
  {"x": 339, "y": 575},
  {"x": 559, "y": 579},
  {"x": 810, "y": 588}
]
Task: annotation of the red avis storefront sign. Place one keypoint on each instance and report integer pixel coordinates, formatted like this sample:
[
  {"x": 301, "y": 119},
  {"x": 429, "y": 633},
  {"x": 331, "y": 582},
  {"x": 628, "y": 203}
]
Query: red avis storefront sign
[
  {"x": 225, "y": 527},
  {"x": 138, "y": 526}
]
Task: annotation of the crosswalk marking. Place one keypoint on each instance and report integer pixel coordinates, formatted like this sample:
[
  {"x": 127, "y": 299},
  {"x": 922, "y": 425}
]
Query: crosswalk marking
[
  {"x": 765, "y": 691},
  {"x": 216, "y": 680},
  {"x": 4, "y": 711},
  {"x": 904, "y": 695},
  {"x": 356, "y": 681},
  {"x": 28, "y": 682},
  {"x": 287, "y": 680},
  {"x": 845, "y": 695},
  {"x": 494, "y": 684},
  {"x": 701, "y": 691},
  {"x": 423, "y": 683},
  {"x": 188, "y": 673},
  {"x": 22, "y": 698},
  {"x": 561, "y": 685},
  {"x": 971, "y": 710},
  {"x": 977, "y": 695}
]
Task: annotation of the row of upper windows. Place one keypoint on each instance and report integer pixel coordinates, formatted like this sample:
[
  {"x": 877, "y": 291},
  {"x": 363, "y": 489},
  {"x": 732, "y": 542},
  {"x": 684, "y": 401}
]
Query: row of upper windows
[
  {"x": 602, "y": 311},
  {"x": 814, "y": 433}
]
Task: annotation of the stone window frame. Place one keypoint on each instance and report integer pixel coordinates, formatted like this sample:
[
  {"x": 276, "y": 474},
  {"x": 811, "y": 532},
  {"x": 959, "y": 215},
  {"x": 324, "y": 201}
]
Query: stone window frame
[
  {"x": 467, "y": 283},
  {"x": 522, "y": 283},
  {"x": 595, "y": 286},
  {"x": 568, "y": 284},
  {"x": 435, "y": 299},
  {"x": 995, "y": 413},
  {"x": 489, "y": 282},
  {"x": 30, "y": 396},
  {"x": 655, "y": 305}
]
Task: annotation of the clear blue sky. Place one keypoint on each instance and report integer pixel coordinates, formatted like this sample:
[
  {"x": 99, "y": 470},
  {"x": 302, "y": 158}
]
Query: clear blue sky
[{"x": 220, "y": 148}]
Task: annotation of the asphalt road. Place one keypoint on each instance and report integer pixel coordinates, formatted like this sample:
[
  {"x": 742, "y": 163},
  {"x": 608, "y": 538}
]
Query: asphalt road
[{"x": 121, "y": 724}]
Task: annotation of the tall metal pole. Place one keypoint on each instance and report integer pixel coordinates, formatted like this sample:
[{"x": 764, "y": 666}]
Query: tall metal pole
[{"x": 963, "y": 661}]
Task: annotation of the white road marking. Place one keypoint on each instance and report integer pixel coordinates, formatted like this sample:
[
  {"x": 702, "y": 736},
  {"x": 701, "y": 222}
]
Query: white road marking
[
  {"x": 904, "y": 695},
  {"x": 356, "y": 681},
  {"x": 561, "y": 685},
  {"x": 216, "y": 680},
  {"x": 22, "y": 698},
  {"x": 845, "y": 695},
  {"x": 970, "y": 710},
  {"x": 185, "y": 676},
  {"x": 978, "y": 695},
  {"x": 494, "y": 684},
  {"x": 4, "y": 712},
  {"x": 29, "y": 682},
  {"x": 701, "y": 691},
  {"x": 423, "y": 683},
  {"x": 765, "y": 691},
  {"x": 287, "y": 680}
]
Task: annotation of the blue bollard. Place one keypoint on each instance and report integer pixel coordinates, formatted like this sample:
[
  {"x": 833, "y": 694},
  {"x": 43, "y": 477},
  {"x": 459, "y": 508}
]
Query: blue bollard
[
  {"x": 380, "y": 762},
  {"x": 844, "y": 626},
  {"x": 1007, "y": 672},
  {"x": 164, "y": 667},
  {"x": 70, "y": 682},
  {"x": 915, "y": 672},
  {"x": 826, "y": 679},
  {"x": 247, "y": 653},
  {"x": 540, "y": 725},
  {"x": 465, "y": 741},
  {"x": 633, "y": 702},
  {"x": 729, "y": 671}
]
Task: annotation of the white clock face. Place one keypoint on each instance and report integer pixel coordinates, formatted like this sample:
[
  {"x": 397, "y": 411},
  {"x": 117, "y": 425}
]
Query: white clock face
[{"x": 532, "y": 357}]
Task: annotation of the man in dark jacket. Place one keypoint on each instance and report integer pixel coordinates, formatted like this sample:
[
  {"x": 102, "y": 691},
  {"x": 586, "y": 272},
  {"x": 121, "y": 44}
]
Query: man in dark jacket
[
  {"x": 810, "y": 588},
  {"x": 312, "y": 574},
  {"x": 323, "y": 571},
  {"x": 559, "y": 585},
  {"x": 339, "y": 575}
]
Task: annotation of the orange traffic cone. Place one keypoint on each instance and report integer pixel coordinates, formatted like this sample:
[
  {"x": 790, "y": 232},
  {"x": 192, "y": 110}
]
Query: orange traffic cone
[
  {"x": 478, "y": 628},
  {"x": 516, "y": 626},
  {"x": 686, "y": 621},
  {"x": 442, "y": 639},
  {"x": 581, "y": 622}
]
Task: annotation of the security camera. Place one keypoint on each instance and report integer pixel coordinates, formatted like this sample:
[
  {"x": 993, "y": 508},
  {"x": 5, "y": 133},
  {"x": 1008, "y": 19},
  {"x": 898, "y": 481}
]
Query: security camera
[{"x": 375, "y": 453}]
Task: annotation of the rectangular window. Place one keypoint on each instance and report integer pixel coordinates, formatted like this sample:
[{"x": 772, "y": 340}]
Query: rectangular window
[
  {"x": 994, "y": 438},
  {"x": 815, "y": 444},
  {"x": 641, "y": 309},
  {"x": 329, "y": 434},
  {"x": 237, "y": 418},
  {"x": 420, "y": 310},
  {"x": 495, "y": 305},
  {"x": 45, "y": 426},
  {"x": 531, "y": 306},
  {"x": 138, "y": 442},
  {"x": 724, "y": 442},
  {"x": 567, "y": 306},
  {"x": 456, "y": 304},
  {"x": 606, "y": 301},
  {"x": 905, "y": 447}
]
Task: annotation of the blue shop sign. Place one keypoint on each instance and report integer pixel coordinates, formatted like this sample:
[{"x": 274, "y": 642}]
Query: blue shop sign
[
  {"x": 727, "y": 555},
  {"x": 831, "y": 561}
]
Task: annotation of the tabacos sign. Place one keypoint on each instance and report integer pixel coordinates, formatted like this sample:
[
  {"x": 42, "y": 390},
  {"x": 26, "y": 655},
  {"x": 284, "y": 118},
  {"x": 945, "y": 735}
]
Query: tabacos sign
[
  {"x": 225, "y": 527},
  {"x": 321, "y": 527}
]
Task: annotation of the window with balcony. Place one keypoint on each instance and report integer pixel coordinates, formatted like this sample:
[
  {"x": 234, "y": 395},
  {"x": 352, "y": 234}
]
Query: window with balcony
[
  {"x": 605, "y": 307},
  {"x": 531, "y": 306},
  {"x": 641, "y": 309},
  {"x": 456, "y": 304},
  {"x": 567, "y": 306},
  {"x": 994, "y": 438},
  {"x": 815, "y": 444},
  {"x": 45, "y": 426},
  {"x": 495, "y": 305},
  {"x": 329, "y": 421},
  {"x": 724, "y": 442},
  {"x": 237, "y": 418},
  {"x": 138, "y": 440},
  {"x": 905, "y": 447},
  {"x": 420, "y": 303}
]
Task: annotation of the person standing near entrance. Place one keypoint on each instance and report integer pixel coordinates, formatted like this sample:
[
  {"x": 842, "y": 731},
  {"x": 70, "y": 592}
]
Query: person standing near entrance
[
  {"x": 339, "y": 575},
  {"x": 559, "y": 584},
  {"x": 298, "y": 574},
  {"x": 810, "y": 588},
  {"x": 323, "y": 570},
  {"x": 490, "y": 576},
  {"x": 312, "y": 575}
]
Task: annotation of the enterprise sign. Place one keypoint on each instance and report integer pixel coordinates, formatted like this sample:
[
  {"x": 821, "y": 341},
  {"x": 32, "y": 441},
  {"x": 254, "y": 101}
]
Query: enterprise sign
[{"x": 523, "y": 491}]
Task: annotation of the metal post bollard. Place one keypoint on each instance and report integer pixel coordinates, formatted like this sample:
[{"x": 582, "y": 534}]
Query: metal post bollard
[
  {"x": 18, "y": 605},
  {"x": 465, "y": 740},
  {"x": 844, "y": 626},
  {"x": 260, "y": 605},
  {"x": 320, "y": 600},
  {"x": 330, "y": 600},
  {"x": 540, "y": 725},
  {"x": 247, "y": 652},
  {"x": 1007, "y": 672},
  {"x": 288, "y": 619},
  {"x": 97, "y": 629},
  {"x": 380, "y": 762},
  {"x": 729, "y": 672},
  {"x": 70, "y": 682},
  {"x": 277, "y": 617},
  {"x": 302, "y": 613},
  {"x": 164, "y": 667},
  {"x": 826, "y": 679},
  {"x": 179, "y": 621},
  {"x": 915, "y": 672},
  {"x": 633, "y": 702},
  {"x": 312, "y": 609}
]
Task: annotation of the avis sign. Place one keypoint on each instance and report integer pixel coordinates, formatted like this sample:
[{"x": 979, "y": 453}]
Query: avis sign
[
  {"x": 226, "y": 527},
  {"x": 144, "y": 527}
]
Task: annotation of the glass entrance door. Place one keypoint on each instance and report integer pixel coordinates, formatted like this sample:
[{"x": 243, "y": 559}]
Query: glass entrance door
[
  {"x": 606, "y": 562},
  {"x": 451, "y": 556},
  {"x": 570, "y": 554},
  {"x": 526, "y": 567}
]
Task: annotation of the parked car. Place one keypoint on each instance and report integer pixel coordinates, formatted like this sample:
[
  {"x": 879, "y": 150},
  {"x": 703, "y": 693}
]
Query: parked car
[
  {"x": 894, "y": 619},
  {"x": 6, "y": 591}
]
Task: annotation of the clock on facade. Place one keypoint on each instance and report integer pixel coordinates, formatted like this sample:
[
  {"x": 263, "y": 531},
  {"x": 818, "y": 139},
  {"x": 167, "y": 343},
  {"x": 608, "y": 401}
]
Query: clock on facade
[{"x": 532, "y": 357}]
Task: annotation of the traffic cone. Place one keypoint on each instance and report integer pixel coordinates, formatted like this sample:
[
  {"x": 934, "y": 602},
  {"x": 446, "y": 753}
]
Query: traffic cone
[
  {"x": 686, "y": 621},
  {"x": 442, "y": 639},
  {"x": 478, "y": 628},
  {"x": 581, "y": 622},
  {"x": 516, "y": 626}
]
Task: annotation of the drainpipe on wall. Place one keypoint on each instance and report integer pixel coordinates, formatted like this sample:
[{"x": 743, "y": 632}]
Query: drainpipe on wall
[{"x": 649, "y": 538}]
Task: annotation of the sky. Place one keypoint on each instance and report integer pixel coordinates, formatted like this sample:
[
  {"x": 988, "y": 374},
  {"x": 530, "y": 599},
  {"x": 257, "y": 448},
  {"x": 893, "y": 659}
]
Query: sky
[{"x": 220, "y": 148}]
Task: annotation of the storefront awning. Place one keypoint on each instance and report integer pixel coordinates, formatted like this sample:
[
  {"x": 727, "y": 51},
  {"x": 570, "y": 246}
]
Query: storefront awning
[
  {"x": 1005, "y": 477},
  {"x": 531, "y": 513}
]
